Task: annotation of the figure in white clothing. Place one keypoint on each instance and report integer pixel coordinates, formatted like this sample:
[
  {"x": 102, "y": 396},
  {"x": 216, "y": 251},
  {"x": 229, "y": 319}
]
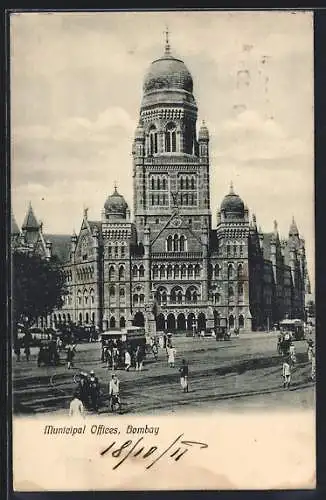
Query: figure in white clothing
[
  {"x": 171, "y": 356},
  {"x": 114, "y": 392},
  {"x": 76, "y": 408},
  {"x": 286, "y": 373}
]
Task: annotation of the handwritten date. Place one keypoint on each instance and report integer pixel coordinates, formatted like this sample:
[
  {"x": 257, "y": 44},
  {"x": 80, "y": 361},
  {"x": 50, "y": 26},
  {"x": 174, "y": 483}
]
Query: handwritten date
[{"x": 176, "y": 450}]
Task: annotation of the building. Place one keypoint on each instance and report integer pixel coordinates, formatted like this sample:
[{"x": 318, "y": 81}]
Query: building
[{"x": 174, "y": 266}]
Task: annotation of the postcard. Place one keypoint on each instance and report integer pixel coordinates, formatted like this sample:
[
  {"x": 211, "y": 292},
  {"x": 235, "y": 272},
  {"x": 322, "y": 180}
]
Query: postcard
[{"x": 162, "y": 244}]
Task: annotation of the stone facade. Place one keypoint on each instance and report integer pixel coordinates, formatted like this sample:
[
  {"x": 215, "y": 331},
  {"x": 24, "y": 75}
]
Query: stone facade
[{"x": 169, "y": 268}]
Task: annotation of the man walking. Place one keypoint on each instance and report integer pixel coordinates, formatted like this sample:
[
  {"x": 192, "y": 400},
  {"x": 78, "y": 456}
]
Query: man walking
[
  {"x": 286, "y": 373},
  {"x": 114, "y": 392},
  {"x": 127, "y": 360}
]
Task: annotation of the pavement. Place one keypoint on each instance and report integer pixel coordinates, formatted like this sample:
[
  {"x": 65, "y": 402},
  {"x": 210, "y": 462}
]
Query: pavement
[{"x": 241, "y": 374}]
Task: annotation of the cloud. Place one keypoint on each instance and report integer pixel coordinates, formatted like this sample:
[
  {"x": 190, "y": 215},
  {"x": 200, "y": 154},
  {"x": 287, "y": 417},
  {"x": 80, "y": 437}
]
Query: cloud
[{"x": 251, "y": 137}]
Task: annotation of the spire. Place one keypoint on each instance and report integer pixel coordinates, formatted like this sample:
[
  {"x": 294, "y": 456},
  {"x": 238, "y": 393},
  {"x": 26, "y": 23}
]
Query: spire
[
  {"x": 275, "y": 227},
  {"x": 167, "y": 51},
  {"x": 30, "y": 222},
  {"x": 293, "y": 228},
  {"x": 231, "y": 188}
]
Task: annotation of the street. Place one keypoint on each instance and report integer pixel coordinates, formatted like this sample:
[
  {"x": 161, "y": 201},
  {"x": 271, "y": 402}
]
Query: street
[{"x": 241, "y": 374}]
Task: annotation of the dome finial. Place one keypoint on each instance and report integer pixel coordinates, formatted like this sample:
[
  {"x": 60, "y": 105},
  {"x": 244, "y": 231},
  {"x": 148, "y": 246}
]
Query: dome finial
[
  {"x": 115, "y": 187},
  {"x": 231, "y": 188},
  {"x": 167, "y": 44}
]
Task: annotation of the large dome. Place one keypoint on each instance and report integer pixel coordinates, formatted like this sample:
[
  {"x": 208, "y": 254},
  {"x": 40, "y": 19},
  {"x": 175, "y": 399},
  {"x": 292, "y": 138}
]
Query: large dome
[
  {"x": 168, "y": 73},
  {"x": 116, "y": 205},
  {"x": 233, "y": 204}
]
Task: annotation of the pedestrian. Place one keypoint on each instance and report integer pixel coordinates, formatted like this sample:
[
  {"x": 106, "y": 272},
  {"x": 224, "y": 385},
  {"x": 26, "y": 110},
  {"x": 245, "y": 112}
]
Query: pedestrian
[
  {"x": 139, "y": 359},
  {"x": 310, "y": 349},
  {"x": 292, "y": 353},
  {"x": 155, "y": 351},
  {"x": 313, "y": 366},
  {"x": 165, "y": 339},
  {"x": 286, "y": 373},
  {"x": 127, "y": 360},
  {"x": 171, "y": 356},
  {"x": 70, "y": 356},
  {"x": 27, "y": 352},
  {"x": 114, "y": 391},
  {"x": 17, "y": 350},
  {"x": 94, "y": 391},
  {"x": 76, "y": 408},
  {"x": 83, "y": 390},
  {"x": 184, "y": 372}
]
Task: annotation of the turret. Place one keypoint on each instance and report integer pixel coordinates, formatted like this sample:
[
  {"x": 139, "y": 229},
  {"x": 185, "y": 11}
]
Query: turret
[{"x": 203, "y": 141}]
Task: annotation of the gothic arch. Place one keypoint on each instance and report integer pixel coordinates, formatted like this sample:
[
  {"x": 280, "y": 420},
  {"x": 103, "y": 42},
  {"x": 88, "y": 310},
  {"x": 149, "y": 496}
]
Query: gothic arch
[
  {"x": 171, "y": 138},
  {"x": 160, "y": 322},
  {"x": 181, "y": 322}
]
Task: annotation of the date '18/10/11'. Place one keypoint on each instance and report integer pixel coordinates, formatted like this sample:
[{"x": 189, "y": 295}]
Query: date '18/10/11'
[{"x": 176, "y": 450}]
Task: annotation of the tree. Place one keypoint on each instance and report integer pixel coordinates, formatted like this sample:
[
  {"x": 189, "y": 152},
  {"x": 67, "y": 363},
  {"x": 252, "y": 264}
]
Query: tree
[{"x": 38, "y": 287}]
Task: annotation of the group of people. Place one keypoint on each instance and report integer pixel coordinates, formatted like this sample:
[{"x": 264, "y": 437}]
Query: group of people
[
  {"x": 116, "y": 354},
  {"x": 88, "y": 394},
  {"x": 286, "y": 348}
]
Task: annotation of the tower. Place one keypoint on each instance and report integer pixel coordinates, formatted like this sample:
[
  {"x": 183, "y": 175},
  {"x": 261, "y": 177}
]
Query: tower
[{"x": 170, "y": 164}]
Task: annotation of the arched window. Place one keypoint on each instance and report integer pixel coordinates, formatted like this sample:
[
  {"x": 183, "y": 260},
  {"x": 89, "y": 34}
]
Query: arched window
[
  {"x": 135, "y": 271},
  {"x": 152, "y": 140},
  {"x": 122, "y": 292},
  {"x": 110, "y": 251},
  {"x": 169, "y": 244},
  {"x": 169, "y": 271},
  {"x": 141, "y": 271},
  {"x": 155, "y": 271},
  {"x": 111, "y": 273},
  {"x": 141, "y": 298},
  {"x": 121, "y": 273},
  {"x": 112, "y": 322},
  {"x": 187, "y": 183},
  {"x": 87, "y": 318},
  {"x": 241, "y": 251},
  {"x": 175, "y": 243},
  {"x": 217, "y": 298},
  {"x": 192, "y": 183},
  {"x": 240, "y": 289},
  {"x": 116, "y": 250},
  {"x": 153, "y": 183},
  {"x": 112, "y": 291},
  {"x": 181, "y": 182},
  {"x": 230, "y": 271},
  {"x": 158, "y": 183},
  {"x": 179, "y": 297},
  {"x": 91, "y": 293},
  {"x": 217, "y": 271},
  {"x": 171, "y": 138},
  {"x": 176, "y": 271},
  {"x": 135, "y": 299},
  {"x": 164, "y": 183},
  {"x": 190, "y": 271},
  {"x": 164, "y": 297},
  {"x": 240, "y": 270},
  {"x": 162, "y": 271},
  {"x": 184, "y": 271},
  {"x": 197, "y": 271},
  {"x": 231, "y": 292},
  {"x": 182, "y": 243},
  {"x": 79, "y": 297},
  {"x": 85, "y": 297}
]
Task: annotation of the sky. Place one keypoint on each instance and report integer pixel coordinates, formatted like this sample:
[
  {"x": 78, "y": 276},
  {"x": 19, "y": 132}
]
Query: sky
[{"x": 76, "y": 86}]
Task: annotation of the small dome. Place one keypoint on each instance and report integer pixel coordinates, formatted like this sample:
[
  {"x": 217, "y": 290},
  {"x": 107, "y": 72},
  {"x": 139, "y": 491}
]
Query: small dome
[
  {"x": 168, "y": 73},
  {"x": 233, "y": 204},
  {"x": 203, "y": 132},
  {"x": 116, "y": 205}
]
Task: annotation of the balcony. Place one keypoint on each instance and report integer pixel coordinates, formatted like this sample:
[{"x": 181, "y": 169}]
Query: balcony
[{"x": 177, "y": 255}]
